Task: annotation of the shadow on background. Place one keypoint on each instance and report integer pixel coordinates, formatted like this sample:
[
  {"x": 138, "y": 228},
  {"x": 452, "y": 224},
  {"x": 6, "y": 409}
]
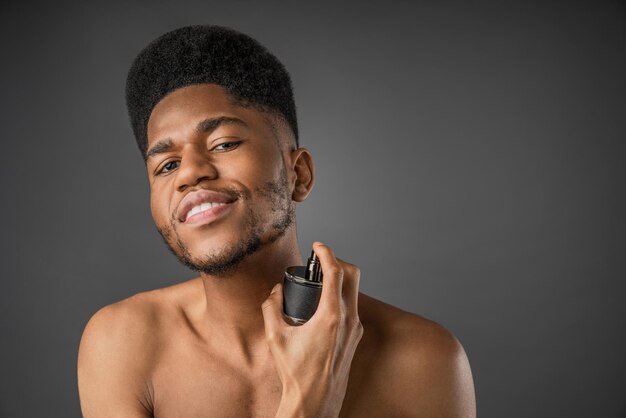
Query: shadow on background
[{"x": 470, "y": 160}]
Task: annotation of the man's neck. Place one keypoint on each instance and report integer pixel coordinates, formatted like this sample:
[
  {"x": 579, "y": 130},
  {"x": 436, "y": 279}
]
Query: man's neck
[{"x": 232, "y": 314}]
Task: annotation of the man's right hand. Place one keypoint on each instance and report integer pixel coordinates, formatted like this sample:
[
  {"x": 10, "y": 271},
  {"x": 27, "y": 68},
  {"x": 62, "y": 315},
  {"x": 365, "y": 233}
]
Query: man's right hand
[{"x": 313, "y": 360}]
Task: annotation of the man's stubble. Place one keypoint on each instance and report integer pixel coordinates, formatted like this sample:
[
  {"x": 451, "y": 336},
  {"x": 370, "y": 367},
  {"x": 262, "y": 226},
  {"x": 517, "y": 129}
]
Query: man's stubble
[{"x": 224, "y": 260}]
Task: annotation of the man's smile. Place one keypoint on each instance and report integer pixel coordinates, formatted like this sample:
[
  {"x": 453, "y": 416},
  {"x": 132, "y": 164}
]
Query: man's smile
[
  {"x": 202, "y": 204},
  {"x": 207, "y": 212}
]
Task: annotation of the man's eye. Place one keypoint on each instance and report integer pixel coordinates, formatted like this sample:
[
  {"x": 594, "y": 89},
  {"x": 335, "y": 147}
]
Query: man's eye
[
  {"x": 226, "y": 146},
  {"x": 167, "y": 167}
]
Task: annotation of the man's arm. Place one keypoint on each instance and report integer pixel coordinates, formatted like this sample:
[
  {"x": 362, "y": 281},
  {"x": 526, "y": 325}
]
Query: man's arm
[{"x": 113, "y": 361}]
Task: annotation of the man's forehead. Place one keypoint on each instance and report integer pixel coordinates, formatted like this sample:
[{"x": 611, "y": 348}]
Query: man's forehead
[
  {"x": 191, "y": 103},
  {"x": 205, "y": 101},
  {"x": 191, "y": 98}
]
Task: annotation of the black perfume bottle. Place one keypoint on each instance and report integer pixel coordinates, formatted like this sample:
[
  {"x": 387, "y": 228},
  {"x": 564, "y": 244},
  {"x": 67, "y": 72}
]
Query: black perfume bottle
[{"x": 302, "y": 288}]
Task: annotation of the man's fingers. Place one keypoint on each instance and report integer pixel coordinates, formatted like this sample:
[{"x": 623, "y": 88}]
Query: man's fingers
[
  {"x": 351, "y": 279},
  {"x": 332, "y": 279},
  {"x": 272, "y": 309}
]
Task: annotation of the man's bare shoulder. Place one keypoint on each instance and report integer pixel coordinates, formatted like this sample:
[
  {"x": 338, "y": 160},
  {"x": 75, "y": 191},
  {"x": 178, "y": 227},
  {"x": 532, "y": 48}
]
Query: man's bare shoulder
[
  {"x": 140, "y": 318},
  {"x": 420, "y": 365},
  {"x": 395, "y": 328},
  {"x": 120, "y": 345}
]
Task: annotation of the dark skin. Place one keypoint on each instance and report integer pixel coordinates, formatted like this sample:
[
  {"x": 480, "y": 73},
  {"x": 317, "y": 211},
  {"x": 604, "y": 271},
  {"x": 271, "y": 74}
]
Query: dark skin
[{"x": 218, "y": 344}]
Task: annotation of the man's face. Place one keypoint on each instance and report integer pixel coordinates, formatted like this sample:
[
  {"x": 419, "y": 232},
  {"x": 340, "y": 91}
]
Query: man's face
[{"x": 216, "y": 145}]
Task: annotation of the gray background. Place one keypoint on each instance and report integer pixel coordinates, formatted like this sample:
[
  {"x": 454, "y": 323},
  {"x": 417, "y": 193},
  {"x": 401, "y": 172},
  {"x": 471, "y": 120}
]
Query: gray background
[{"x": 470, "y": 159}]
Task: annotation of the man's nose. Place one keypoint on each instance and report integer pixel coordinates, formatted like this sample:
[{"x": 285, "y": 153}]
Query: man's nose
[{"x": 195, "y": 166}]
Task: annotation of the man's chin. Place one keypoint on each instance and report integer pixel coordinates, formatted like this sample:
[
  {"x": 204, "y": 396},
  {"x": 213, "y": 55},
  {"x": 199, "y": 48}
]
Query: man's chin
[{"x": 217, "y": 260}]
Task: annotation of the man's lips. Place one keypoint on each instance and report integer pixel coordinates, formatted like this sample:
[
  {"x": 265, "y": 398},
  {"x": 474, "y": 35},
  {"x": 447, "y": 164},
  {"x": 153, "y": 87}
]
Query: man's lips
[
  {"x": 195, "y": 199},
  {"x": 208, "y": 215}
]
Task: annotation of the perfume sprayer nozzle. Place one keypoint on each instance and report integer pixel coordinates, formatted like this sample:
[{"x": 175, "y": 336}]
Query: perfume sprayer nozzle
[{"x": 313, "y": 269}]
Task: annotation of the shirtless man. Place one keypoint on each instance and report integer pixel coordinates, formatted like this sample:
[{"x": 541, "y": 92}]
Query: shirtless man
[{"x": 214, "y": 118}]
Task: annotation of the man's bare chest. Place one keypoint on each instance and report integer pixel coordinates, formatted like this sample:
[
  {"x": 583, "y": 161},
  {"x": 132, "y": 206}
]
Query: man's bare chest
[
  {"x": 188, "y": 382},
  {"x": 191, "y": 383}
]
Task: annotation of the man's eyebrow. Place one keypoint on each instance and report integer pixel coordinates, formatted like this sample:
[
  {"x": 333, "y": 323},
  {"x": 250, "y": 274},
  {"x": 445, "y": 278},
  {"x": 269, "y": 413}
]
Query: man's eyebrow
[
  {"x": 211, "y": 124},
  {"x": 205, "y": 126},
  {"x": 160, "y": 147}
]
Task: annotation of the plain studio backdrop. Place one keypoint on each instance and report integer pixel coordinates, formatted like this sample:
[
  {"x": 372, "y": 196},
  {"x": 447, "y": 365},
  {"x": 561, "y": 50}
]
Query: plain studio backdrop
[{"x": 470, "y": 159}]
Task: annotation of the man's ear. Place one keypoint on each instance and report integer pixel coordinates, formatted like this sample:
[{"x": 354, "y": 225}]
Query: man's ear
[{"x": 304, "y": 170}]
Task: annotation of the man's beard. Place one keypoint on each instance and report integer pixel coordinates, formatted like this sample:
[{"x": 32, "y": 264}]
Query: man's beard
[{"x": 226, "y": 259}]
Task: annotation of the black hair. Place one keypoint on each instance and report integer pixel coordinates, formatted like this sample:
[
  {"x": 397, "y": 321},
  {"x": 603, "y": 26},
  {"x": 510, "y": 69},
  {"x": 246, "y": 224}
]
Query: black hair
[{"x": 250, "y": 74}]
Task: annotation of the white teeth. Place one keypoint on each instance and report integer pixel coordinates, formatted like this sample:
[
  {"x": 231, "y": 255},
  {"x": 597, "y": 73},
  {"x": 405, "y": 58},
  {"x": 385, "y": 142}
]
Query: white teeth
[
  {"x": 194, "y": 211},
  {"x": 202, "y": 207}
]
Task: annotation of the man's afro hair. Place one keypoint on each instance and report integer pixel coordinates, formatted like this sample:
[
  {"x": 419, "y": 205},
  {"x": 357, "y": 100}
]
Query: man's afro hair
[{"x": 251, "y": 75}]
